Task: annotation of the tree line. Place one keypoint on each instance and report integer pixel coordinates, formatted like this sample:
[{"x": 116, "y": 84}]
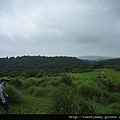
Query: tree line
[{"x": 38, "y": 66}]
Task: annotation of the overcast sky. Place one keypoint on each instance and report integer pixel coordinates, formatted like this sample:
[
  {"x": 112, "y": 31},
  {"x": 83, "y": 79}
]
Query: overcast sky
[{"x": 59, "y": 27}]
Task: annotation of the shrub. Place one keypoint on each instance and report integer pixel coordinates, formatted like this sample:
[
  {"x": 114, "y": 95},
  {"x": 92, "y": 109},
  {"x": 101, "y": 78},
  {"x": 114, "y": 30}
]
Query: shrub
[
  {"x": 55, "y": 83},
  {"x": 33, "y": 81},
  {"x": 113, "y": 108},
  {"x": 43, "y": 91},
  {"x": 31, "y": 89},
  {"x": 112, "y": 86},
  {"x": 66, "y": 101},
  {"x": 14, "y": 95},
  {"x": 85, "y": 106},
  {"x": 17, "y": 83},
  {"x": 27, "y": 84},
  {"x": 39, "y": 82},
  {"x": 110, "y": 97},
  {"x": 67, "y": 80},
  {"x": 115, "y": 87},
  {"x": 91, "y": 92}
]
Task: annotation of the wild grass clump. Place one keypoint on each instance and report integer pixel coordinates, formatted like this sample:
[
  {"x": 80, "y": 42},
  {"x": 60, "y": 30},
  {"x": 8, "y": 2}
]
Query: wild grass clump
[
  {"x": 17, "y": 83},
  {"x": 91, "y": 92},
  {"x": 113, "y": 86},
  {"x": 27, "y": 84},
  {"x": 113, "y": 108},
  {"x": 66, "y": 101},
  {"x": 109, "y": 98},
  {"x": 31, "y": 90},
  {"x": 54, "y": 83},
  {"x": 15, "y": 96},
  {"x": 109, "y": 91},
  {"x": 42, "y": 91},
  {"x": 67, "y": 80},
  {"x": 109, "y": 85}
]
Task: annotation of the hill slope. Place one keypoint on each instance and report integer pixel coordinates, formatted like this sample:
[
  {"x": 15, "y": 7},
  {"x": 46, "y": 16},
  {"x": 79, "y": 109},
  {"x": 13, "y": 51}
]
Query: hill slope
[
  {"x": 39, "y": 62},
  {"x": 111, "y": 63}
]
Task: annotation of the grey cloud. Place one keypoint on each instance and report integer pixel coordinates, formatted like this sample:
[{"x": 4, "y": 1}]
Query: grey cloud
[
  {"x": 63, "y": 27},
  {"x": 5, "y": 5}
]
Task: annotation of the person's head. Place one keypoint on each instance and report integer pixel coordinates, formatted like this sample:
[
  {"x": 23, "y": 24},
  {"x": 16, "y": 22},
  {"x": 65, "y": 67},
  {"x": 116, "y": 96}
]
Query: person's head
[{"x": 4, "y": 80}]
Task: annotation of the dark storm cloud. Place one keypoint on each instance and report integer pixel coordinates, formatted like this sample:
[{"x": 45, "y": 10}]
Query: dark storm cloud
[{"x": 60, "y": 27}]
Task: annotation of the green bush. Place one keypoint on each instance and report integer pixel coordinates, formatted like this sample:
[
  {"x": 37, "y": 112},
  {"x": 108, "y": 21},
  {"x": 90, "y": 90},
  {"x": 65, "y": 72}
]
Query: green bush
[
  {"x": 113, "y": 108},
  {"x": 67, "y": 80},
  {"x": 66, "y": 101},
  {"x": 17, "y": 83},
  {"x": 31, "y": 89},
  {"x": 27, "y": 84},
  {"x": 55, "y": 83},
  {"x": 14, "y": 95},
  {"x": 42, "y": 91},
  {"x": 113, "y": 86},
  {"x": 92, "y": 92},
  {"x": 110, "y": 97},
  {"x": 109, "y": 85}
]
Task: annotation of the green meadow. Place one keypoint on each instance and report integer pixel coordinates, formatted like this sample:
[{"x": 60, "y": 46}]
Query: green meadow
[{"x": 96, "y": 92}]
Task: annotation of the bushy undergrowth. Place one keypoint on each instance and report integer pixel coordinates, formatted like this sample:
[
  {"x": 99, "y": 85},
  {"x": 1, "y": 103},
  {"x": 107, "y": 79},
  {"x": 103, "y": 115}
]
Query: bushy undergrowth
[
  {"x": 32, "y": 82},
  {"x": 15, "y": 95},
  {"x": 109, "y": 85},
  {"x": 17, "y": 83},
  {"x": 67, "y": 80},
  {"x": 43, "y": 91},
  {"x": 31, "y": 90},
  {"x": 91, "y": 92},
  {"x": 55, "y": 83},
  {"x": 113, "y": 108},
  {"x": 110, "y": 97},
  {"x": 66, "y": 101},
  {"x": 97, "y": 94},
  {"x": 68, "y": 95},
  {"x": 40, "y": 91}
]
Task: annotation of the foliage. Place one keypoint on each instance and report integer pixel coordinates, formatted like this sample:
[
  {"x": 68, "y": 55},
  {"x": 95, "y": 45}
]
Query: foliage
[
  {"x": 38, "y": 66},
  {"x": 15, "y": 96},
  {"x": 92, "y": 92},
  {"x": 112, "y": 86},
  {"x": 110, "y": 63},
  {"x": 71, "y": 93},
  {"x": 17, "y": 83},
  {"x": 67, "y": 80},
  {"x": 43, "y": 91},
  {"x": 66, "y": 101}
]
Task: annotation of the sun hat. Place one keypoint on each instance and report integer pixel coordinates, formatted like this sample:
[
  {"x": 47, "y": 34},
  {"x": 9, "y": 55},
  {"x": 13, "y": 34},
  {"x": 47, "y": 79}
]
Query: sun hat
[{"x": 5, "y": 78}]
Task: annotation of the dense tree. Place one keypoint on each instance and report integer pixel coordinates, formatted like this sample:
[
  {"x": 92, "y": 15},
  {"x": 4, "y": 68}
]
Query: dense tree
[
  {"x": 40, "y": 65},
  {"x": 34, "y": 66}
]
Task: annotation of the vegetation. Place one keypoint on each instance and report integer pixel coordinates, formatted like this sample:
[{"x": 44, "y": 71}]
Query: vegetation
[
  {"x": 38, "y": 66},
  {"x": 77, "y": 90}
]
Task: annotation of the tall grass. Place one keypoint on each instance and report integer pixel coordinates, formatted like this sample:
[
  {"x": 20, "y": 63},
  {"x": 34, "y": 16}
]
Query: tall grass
[
  {"x": 67, "y": 80},
  {"x": 17, "y": 83},
  {"x": 65, "y": 94},
  {"x": 15, "y": 96},
  {"x": 40, "y": 91},
  {"x": 91, "y": 92},
  {"x": 43, "y": 91},
  {"x": 109, "y": 85},
  {"x": 66, "y": 101}
]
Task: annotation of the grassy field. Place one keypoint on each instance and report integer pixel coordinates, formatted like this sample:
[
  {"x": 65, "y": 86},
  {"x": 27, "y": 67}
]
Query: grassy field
[{"x": 95, "y": 92}]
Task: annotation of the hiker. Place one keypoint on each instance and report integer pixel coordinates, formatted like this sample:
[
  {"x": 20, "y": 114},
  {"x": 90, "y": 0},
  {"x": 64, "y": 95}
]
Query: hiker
[{"x": 3, "y": 95}]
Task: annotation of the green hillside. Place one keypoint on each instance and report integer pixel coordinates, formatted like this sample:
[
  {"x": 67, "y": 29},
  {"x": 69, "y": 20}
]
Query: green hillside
[{"x": 32, "y": 66}]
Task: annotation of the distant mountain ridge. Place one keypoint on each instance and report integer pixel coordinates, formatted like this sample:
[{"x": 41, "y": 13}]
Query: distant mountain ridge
[{"x": 95, "y": 58}]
